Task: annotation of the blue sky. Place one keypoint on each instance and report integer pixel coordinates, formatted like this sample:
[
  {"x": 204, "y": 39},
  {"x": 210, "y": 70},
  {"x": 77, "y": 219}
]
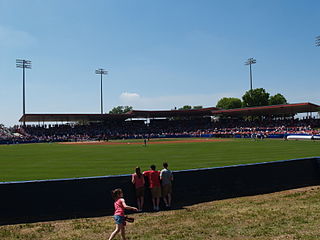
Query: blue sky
[{"x": 159, "y": 54}]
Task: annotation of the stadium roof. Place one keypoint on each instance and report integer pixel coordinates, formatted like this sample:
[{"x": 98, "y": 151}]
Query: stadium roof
[
  {"x": 73, "y": 117},
  {"x": 173, "y": 113},
  {"x": 250, "y": 111},
  {"x": 270, "y": 110},
  {"x": 105, "y": 117}
]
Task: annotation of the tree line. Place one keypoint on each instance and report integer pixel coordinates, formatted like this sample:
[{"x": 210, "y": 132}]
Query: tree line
[{"x": 252, "y": 98}]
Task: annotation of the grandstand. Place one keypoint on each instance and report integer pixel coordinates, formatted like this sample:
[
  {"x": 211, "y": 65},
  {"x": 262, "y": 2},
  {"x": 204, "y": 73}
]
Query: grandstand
[
  {"x": 275, "y": 121},
  {"x": 5, "y": 133}
]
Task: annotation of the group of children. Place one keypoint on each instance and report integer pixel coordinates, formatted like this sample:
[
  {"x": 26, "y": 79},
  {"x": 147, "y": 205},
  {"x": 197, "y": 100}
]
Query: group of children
[{"x": 160, "y": 184}]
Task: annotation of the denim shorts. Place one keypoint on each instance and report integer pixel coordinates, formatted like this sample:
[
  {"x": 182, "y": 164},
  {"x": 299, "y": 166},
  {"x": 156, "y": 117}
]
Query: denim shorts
[{"x": 119, "y": 219}]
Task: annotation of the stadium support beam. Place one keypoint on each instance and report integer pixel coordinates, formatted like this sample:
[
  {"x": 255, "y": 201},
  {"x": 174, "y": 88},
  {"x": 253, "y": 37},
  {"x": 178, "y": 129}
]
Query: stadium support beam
[
  {"x": 22, "y": 63},
  {"x": 101, "y": 71},
  {"x": 249, "y": 62}
]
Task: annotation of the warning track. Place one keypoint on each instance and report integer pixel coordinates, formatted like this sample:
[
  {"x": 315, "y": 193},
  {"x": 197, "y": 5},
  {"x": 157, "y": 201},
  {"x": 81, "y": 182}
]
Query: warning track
[{"x": 141, "y": 142}]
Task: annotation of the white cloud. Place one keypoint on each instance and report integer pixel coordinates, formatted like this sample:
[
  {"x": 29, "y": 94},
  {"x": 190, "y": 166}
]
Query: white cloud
[
  {"x": 129, "y": 97},
  {"x": 15, "y": 38}
]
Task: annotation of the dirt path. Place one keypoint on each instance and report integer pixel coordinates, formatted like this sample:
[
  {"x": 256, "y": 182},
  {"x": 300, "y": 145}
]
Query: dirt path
[{"x": 152, "y": 141}]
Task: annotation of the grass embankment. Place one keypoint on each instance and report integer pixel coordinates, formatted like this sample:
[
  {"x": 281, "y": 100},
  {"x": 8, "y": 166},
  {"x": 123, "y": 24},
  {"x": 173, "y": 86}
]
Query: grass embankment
[
  {"x": 52, "y": 161},
  {"x": 293, "y": 214}
]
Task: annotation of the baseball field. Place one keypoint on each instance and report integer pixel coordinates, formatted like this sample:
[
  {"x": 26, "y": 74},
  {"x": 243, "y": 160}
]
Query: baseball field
[
  {"x": 292, "y": 214},
  {"x": 53, "y": 160}
]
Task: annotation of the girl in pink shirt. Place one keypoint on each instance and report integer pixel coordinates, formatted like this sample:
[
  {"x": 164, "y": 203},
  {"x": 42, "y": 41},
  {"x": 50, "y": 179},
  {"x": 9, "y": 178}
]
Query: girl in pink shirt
[
  {"x": 138, "y": 181},
  {"x": 119, "y": 207}
]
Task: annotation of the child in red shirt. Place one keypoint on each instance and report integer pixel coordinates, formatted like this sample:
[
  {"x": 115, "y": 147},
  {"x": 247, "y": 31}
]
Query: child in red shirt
[
  {"x": 138, "y": 181},
  {"x": 154, "y": 185},
  {"x": 119, "y": 206}
]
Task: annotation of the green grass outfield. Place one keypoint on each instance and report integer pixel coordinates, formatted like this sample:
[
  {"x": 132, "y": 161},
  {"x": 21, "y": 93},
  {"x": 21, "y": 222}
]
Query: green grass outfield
[{"x": 53, "y": 161}]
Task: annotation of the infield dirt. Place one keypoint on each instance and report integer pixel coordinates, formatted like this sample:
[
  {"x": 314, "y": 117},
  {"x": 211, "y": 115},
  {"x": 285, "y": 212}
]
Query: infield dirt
[{"x": 141, "y": 142}]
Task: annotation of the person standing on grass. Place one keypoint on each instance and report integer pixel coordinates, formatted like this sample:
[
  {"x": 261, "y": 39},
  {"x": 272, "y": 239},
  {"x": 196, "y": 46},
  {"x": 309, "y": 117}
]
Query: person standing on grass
[
  {"x": 154, "y": 185},
  {"x": 166, "y": 178},
  {"x": 119, "y": 218},
  {"x": 138, "y": 181}
]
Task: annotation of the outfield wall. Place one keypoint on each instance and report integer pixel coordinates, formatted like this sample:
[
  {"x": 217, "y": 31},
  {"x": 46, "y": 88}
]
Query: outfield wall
[{"x": 22, "y": 202}]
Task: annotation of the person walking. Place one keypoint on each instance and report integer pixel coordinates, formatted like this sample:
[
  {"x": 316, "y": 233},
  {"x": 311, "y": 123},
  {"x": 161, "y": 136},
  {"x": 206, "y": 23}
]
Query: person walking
[
  {"x": 166, "y": 178},
  {"x": 119, "y": 217},
  {"x": 154, "y": 185},
  {"x": 138, "y": 181}
]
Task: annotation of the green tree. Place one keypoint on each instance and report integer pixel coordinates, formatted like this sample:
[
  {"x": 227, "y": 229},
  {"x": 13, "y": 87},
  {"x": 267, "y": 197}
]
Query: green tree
[
  {"x": 127, "y": 109},
  {"x": 277, "y": 99},
  {"x": 186, "y": 107},
  {"x": 120, "y": 110},
  {"x": 229, "y": 103},
  {"x": 255, "y": 97}
]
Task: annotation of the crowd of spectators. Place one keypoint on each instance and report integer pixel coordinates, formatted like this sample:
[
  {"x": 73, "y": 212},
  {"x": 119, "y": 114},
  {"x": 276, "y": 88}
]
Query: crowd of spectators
[
  {"x": 197, "y": 127},
  {"x": 5, "y": 133}
]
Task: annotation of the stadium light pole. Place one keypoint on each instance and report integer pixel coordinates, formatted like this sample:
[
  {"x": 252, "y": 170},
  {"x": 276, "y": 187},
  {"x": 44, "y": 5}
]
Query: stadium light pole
[
  {"x": 318, "y": 41},
  {"x": 249, "y": 62},
  {"x": 22, "y": 63},
  {"x": 101, "y": 72}
]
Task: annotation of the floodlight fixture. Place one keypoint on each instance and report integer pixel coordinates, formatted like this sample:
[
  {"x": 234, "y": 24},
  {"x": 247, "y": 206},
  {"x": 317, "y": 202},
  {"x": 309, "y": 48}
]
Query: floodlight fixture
[
  {"x": 24, "y": 64},
  {"x": 249, "y": 62},
  {"x": 101, "y": 71},
  {"x": 318, "y": 41},
  {"x": 21, "y": 63}
]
